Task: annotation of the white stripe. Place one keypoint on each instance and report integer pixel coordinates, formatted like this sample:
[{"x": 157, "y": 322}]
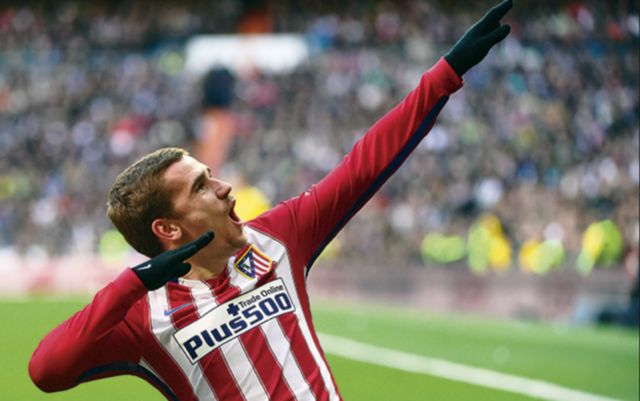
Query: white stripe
[
  {"x": 242, "y": 370},
  {"x": 163, "y": 329},
  {"x": 375, "y": 355},
  {"x": 281, "y": 348},
  {"x": 259, "y": 261},
  {"x": 284, "y": 271},
  {"x": 261, "y": 272},
  {"x": 233, "y": 352},
  {"x": 271, "y": 248},
  {"x": 202, "y": 297},
  {"x": 259, "y": 267}
]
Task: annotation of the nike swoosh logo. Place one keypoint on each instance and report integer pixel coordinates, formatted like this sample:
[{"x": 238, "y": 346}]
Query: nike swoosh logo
[
  {"x": 145, "y": 267},
  {"x": 174, "y": 310}
]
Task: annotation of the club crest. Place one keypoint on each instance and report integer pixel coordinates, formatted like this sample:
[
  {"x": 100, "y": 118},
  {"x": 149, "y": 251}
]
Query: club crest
[{"x": 252, "y": 263}]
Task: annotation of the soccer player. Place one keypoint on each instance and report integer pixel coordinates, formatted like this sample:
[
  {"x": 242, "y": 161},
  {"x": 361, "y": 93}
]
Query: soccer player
[{"x": 228, "y": 318}]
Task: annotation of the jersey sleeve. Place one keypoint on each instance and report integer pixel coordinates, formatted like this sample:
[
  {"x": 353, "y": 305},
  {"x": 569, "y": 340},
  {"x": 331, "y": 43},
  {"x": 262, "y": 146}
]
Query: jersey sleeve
[
  {"x": 104, "y": 332},
  {"x": 307, "y": 223}
]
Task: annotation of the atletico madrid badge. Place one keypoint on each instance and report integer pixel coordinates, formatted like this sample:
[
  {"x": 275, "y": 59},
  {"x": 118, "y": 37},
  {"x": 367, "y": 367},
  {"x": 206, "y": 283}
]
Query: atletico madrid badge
[{"x": 252, "y": 263}]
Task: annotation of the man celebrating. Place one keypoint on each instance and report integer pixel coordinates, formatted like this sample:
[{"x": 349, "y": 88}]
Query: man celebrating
[{"x": 234, "y": 323}]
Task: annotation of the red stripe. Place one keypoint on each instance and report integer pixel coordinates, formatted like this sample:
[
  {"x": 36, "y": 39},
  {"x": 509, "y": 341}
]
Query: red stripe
[
  {"x": 177, "y": 296},
  {"x": 163, "y": 364},
  {"x": 215, "y": 369},
  {"x": 266, "y": 276},
  {"x": 266, "y": 365},
  {"x": 303, "y": 296},
  {"x": 304, "y": 358},
  {"x": 261, "y": 263},
  {"x": 261, "y": 356},
  {"x": 269, "y": 268},
  {"x": 261, "y": 270},
  {"x": 262, "y": 359},
  {"x": 258, "y": 258},
  {"x": 218, "y": 373},
  {"x": 226, "y": 294}
]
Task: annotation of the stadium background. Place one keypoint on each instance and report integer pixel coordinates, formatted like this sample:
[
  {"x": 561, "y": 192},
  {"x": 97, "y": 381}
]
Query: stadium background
[{"x": 520, "y": 210}]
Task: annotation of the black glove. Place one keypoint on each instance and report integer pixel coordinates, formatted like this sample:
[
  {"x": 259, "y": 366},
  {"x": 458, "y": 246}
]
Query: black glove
[
  {"x": 155, "y": 272},
  {"x": 474, "y": 45}
]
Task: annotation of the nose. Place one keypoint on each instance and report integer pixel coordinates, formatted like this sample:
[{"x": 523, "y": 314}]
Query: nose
[{"x": 223, "y": 189}]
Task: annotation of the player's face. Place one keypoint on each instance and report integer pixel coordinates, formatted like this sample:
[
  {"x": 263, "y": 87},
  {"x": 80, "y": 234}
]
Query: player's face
[{"x": 202, "y": 202}]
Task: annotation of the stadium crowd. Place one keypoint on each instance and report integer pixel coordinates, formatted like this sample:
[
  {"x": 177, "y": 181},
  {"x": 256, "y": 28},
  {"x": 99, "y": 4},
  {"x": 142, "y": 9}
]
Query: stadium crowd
[{"x": 87, "y": 89}]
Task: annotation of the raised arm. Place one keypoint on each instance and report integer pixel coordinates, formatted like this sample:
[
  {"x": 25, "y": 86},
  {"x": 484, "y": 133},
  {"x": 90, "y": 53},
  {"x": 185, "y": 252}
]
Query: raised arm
[{"x": 312, "y": 219}]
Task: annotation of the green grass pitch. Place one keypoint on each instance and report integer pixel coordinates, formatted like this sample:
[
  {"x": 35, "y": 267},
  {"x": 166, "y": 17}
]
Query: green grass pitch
[{"x": 602, "y": 361}]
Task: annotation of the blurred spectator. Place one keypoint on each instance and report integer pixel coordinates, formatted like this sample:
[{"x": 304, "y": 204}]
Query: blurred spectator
[
  {"x": 601, "y": 244},
  {"x": 217, "y": 121},
  {"x": 488, "y": 246},
  {"x": 87, "y": 88},
  {"x": 442, "y": 249}
]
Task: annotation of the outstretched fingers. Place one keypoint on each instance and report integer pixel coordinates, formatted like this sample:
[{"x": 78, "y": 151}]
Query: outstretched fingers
[
  {"x": 496, "y": 35},
  {"x": 492, "y": 18}
]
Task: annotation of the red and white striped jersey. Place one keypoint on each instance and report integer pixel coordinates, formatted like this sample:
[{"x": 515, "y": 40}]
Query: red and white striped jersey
[{"x": 247, "y": 334}]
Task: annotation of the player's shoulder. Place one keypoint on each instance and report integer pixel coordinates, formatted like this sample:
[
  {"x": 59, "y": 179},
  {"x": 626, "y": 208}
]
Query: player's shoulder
[{"x": 262, "y": 237}]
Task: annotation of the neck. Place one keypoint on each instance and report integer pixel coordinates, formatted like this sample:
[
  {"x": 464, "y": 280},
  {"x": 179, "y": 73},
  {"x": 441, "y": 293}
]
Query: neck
[{"x": 206, "y": 272}]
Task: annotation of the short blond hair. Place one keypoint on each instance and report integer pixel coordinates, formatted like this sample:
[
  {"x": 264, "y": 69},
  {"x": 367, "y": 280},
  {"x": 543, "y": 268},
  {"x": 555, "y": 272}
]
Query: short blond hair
[{"x": 138, "y": 196}]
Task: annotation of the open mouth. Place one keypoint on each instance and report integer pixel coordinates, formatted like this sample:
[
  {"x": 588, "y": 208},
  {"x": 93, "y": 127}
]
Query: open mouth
[{"x": 232, "y": 213}]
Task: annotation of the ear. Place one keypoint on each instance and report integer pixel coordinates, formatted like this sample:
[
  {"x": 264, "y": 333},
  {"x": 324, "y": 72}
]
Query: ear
[{"x": 166, "y": 230}]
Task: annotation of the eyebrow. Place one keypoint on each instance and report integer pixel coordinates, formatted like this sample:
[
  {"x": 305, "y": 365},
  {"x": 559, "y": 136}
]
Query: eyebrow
[{"x": 199, "y": 179}]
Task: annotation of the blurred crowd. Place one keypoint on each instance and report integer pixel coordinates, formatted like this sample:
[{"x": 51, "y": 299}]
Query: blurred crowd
[{"x": 543, "y": 138}]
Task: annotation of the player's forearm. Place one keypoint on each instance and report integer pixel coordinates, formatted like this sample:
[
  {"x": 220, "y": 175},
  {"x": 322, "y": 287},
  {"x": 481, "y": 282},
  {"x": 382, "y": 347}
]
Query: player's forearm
[
  {"x": 374, "y": 158},
  {"x": 73, "y": 346},
  {"x": 390, "y": 140}
]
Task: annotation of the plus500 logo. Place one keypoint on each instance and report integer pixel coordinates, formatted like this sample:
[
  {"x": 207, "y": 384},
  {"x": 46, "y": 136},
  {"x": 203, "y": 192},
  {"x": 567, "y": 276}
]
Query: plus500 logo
[{"x": 231, "y": 319}]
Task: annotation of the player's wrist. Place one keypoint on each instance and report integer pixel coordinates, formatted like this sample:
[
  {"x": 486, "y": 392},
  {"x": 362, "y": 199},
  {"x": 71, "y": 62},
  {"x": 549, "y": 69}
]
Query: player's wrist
[{"x": 130, "y": 285}]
